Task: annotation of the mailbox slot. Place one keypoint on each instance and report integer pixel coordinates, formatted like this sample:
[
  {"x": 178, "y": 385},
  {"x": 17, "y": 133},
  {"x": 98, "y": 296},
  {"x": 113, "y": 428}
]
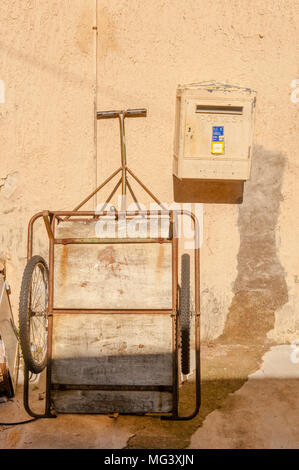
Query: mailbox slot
[{"x": 214, "y": 109}]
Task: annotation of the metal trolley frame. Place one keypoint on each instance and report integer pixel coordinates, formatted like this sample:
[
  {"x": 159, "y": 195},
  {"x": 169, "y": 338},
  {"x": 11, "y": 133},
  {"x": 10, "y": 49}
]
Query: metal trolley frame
[{"x": 52, "y": 218}]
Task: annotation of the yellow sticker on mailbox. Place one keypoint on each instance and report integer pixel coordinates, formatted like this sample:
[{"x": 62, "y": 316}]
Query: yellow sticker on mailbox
[{"x": 217, "y": 147}]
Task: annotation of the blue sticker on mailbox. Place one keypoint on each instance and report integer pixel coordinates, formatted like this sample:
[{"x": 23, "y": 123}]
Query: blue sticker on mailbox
[
  {"x": 218, "y": 140},
  {"x": 218, "y": 131}
]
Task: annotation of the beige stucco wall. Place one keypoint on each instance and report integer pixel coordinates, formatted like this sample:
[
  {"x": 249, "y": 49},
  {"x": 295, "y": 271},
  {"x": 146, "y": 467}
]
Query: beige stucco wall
[{"x": 250, "y": 260}]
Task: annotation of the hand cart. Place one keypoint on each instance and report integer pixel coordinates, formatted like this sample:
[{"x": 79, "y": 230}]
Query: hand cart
[{"x": 39, "y": 317}]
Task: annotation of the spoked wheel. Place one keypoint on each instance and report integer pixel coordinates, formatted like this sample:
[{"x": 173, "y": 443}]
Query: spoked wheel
[
  {"x": 184, "y": 313},
  {"x": 33, "y": 320}
]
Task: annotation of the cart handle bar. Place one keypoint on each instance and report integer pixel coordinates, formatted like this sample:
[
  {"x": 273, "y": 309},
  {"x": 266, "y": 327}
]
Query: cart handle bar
[{"x": 126, "y": 113}]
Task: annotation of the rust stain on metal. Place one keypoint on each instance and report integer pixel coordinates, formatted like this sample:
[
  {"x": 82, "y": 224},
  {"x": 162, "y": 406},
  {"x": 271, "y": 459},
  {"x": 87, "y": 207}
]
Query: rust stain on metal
[{"x": 63, "y": 264}]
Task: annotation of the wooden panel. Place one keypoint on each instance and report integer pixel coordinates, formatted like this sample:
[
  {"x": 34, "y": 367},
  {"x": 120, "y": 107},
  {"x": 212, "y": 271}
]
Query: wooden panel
[
  {"x": 110, "y": 276},
  {"x": 117, "y": 349},
  {"x": 6, "y": 332},
  {"x": 94, "y": 401},
  {"x": 106, "y": 227},
  {"x": 106, "y": 349}
]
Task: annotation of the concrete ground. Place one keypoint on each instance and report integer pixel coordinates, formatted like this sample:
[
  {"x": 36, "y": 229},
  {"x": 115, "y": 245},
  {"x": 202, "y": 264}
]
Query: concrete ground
[
  {"x": 263, "y": 413},
  {"x": 249, "y": 400}
]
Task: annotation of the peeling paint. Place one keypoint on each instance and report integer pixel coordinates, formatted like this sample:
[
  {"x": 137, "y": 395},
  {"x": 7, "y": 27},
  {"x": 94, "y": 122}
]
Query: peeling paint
[{"x": 9, "y": 184}]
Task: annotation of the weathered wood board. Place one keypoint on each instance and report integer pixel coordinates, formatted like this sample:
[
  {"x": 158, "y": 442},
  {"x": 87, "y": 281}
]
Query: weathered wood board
[
  {"x": 133, "y": 349},
  {"x": 101, "y": 349},
  {"x": 110, "y": 276},
  {"x": 7, "y": 333},
  {"x": 111, "y": 349},
  {"x": 94, "y": 401}
]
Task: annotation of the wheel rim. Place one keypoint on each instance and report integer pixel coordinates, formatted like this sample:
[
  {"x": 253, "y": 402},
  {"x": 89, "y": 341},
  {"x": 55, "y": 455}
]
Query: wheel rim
[{"x": 38, "y": 322}]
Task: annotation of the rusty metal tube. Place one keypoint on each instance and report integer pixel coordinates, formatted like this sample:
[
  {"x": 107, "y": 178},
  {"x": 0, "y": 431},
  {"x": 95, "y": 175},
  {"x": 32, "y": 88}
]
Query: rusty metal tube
[
  {"x": 114, "y": 311},
  {"x": 50, "y": 319},
  {"x": 94, "y": 192},
  {"x": 174, "y": 327},
  {"x": 99, "y": 241}
]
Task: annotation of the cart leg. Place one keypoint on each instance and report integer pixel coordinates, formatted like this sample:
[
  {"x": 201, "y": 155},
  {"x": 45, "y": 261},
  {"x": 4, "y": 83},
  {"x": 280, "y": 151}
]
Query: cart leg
[
  {"x": 26, "y": 399},
  {"x": 50, "y": 319},
  {"x": 48, "y": 413},
  {"x": 175, "y": 374}
]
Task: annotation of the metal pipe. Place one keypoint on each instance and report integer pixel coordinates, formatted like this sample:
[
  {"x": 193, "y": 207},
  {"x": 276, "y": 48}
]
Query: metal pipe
[
  {"x": 50, "y": 320},
  {"x": 30, "y": 234},
  {"x": 105, "y": 241},
  {"x": 95, "y": 97},
  {"x": 93, "y": 193},
  {"x": 75, "y": 213},
  {"x": 111, "y": 194},
  {"x": 121, "y": 118},
  {"x": 133, "y": 195},
  {"x": 47, "y": 224},
  {"x": 145, "y": 188},
  {"x": 174, "y": 326},
  {"x": 64, "y": 311}
]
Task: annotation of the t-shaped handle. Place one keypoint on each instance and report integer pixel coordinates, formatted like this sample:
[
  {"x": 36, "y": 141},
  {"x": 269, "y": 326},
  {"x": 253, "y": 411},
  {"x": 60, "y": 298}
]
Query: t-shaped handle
[
  {"x": 125, "y": 112},
  {"x": 121, "y": 115}
]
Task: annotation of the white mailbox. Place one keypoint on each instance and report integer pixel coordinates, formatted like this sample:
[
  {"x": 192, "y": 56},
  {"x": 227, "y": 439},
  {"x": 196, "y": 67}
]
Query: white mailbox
[{"x": 213, "y": 132}]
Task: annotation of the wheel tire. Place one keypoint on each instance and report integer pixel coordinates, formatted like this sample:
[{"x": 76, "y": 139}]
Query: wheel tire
[
  {"x": 32, "y": 364},
  {"x": 184, "y": 312}
]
